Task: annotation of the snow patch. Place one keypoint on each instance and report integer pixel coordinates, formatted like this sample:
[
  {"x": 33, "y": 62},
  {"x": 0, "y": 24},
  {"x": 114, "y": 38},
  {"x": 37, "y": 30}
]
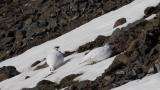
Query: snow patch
[
  {"x": 151, "y": 17},
  {"x": 147, "y": 83}
]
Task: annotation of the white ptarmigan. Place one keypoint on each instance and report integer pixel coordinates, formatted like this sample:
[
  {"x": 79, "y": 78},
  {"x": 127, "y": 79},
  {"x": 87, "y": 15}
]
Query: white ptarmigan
[
  {"x": 97, "y": 54},
  {"x": 55, "y": 59}
]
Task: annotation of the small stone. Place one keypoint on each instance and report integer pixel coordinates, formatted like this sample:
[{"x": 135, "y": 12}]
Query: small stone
[{"x": 27, "y": 77}]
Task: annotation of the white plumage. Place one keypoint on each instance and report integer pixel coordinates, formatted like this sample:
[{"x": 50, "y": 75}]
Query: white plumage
[
  {"x": 55, "y": 59},
  {"x": 97, "y": 54}
]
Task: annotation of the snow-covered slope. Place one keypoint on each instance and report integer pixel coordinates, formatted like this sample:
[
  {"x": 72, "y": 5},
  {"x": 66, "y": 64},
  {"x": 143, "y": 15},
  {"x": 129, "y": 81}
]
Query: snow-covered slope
[
  {"x": 147, "y": 83},
  {"x": 71, "y": 41},
  {"x": 73, "y": 66}
]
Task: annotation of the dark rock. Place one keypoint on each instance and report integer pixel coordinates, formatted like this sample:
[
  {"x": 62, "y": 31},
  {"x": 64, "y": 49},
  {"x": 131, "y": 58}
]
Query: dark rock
[
  {"x": 68, "y": 80},
  {"x": 44, "y": 85},
  {"x": 119, "y": 22},
  {"x": 99, "y": 41},
  {"x": 3, "y": 76},
  {"x": 123, "y": 38},
  {"x": 118, "y": 41},
  {"x": 149, "y": 11},
  {"x": 154, "y": 55},
  {"x": 27, "y": 77},
  {"x": 67, "y": 53},
  {"x": 8, "y": 72},
  {"x": 83, "y": 85},
  {"x": 35, "y": 63}
]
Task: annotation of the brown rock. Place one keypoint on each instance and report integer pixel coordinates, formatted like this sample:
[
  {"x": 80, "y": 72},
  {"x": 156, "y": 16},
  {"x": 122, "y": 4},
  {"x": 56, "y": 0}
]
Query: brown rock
[
  {"x": 68, "y": 80},
  {"x": 119, "y": 22},
  {"x": 67, "y": 53},
  {"x": 8, "y": 72},
  {"x": 149, "y": 11},
  {"x": 3, "y": 76},
  {"x": 99, "y": 41},
  {"x": 44, "y": 85}
]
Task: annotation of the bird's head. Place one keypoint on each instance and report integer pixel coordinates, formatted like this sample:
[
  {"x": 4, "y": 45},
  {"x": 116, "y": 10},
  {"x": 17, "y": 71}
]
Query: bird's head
[{"x": 56, "y": 48}]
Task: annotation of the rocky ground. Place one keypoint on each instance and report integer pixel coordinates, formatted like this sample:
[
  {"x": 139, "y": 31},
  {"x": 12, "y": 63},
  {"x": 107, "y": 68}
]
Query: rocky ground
[{"x": 26, "y": 23}]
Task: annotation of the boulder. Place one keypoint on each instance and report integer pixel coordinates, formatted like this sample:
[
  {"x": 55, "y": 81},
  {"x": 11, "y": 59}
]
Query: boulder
[
  {"x": 119, "y": 22},
  {"x": 3, "y": 76},
  {"x": 8, "y": 72},
  {"x": 44, "y": 85},
  {"x": 99, "y": 41},
  {"x": 68, "y": 80},
  {"x": 149, "y": 11},
  {"x": 67, "y": 53}
]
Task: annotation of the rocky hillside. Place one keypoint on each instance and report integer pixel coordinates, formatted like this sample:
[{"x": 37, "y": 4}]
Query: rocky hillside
[{"x": 27, "y": 23}]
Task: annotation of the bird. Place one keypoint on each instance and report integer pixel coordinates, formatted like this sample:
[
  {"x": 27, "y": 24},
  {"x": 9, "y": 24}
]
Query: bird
[
  {"x": 54, "y": 59},
  {"x": 97, "y": 54}
]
